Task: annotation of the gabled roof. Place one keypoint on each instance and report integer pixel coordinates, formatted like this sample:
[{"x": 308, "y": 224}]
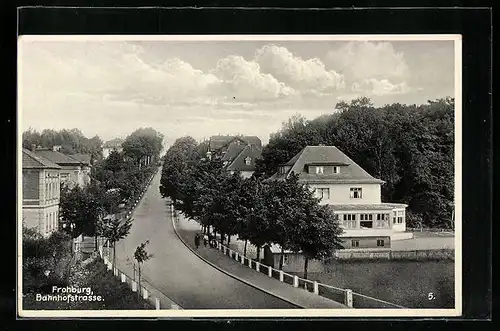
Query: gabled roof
[
  {"x": 83, "y": 158},
  {"x": 232, "y": 151},
  {"x": 239, "y": 164},
  {"x": 57, "y": 157},
  {"x": 350, "y": 172},
  {"x": 217, "y": 142},
  {"x": 33, "y": 161}
]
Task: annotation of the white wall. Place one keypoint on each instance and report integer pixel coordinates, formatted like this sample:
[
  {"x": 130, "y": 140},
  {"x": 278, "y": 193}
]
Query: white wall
[{"x": 340, "y": 193}]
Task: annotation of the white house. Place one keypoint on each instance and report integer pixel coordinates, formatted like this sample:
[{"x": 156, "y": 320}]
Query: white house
[{"x": 352, "y": 193}]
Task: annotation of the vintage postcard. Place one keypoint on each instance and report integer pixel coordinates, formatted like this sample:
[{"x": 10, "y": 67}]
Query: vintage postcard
[{"x": 239, "y": 176}]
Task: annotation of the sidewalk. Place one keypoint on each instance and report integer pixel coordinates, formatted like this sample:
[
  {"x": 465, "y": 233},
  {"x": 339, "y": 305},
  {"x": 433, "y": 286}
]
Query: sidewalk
[{"x": 187, "y": 229}]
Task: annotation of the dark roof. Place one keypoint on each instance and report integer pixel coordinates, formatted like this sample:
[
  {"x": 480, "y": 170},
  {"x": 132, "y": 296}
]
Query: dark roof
[
  {"x": 233, "y": 150},
  {"x": 83, "y": 158},
  {"x": 239, "y": 164},
  {"x": 350, "y": 173},
  {"x": 217, "y": 142},
  {"x": 57, "y": 157},
  {"x": 33, "y": 161}
]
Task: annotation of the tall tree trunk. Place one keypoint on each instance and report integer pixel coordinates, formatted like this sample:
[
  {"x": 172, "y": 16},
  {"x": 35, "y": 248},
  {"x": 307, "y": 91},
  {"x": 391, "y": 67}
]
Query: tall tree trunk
[
  {"x": 114, "y": 254},
  {"x": 95, "y": 237},
  {"x": 258, "y": 253},
  {"x": 306, "y": 264},
  {"x": 282, "y": 257},
  {"x": 245, "y": 249},
  {"x": 228, "y": 239},
  {"x": 222, "y": 238},
  {"x": 139, "y": 280}
]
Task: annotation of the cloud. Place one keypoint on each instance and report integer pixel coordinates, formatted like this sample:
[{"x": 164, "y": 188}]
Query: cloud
[
  {"x": 366, "y": 60},
  {"x": 306, "y": 76},
  {"x": 372, "y": 86},
  {"x": 243, "y": 80}
]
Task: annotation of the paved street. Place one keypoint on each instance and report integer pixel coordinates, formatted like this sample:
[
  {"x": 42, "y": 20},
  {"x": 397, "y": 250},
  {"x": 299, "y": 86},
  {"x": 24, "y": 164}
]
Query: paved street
[{"x": 176, "y": 271}]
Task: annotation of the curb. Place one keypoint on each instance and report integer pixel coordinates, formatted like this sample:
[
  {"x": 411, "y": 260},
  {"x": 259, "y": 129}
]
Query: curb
[{"x": 228, "y": 273}]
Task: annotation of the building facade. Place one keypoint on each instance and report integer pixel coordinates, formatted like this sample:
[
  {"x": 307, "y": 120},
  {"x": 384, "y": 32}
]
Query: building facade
[
  {"x": 238, "y": 153},
  {"x": 75, "y": 170},
  {"x": 40, "y": 193},
  {"x": 352, "y": 193}
]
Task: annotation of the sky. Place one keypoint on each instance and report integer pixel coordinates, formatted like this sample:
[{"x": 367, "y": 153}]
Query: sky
[{"x": 203, "y": 88}]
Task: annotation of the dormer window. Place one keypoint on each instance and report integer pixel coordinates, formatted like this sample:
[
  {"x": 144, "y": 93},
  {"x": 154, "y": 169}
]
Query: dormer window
[
  {"x": 335, "y": 170},
  {"x": 248, "y": 160},
  {"x": 319, "y": 169}
]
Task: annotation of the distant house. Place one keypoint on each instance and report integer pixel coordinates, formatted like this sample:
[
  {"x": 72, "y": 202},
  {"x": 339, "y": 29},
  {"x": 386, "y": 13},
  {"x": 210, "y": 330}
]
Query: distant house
[
  {"x": 238, "y": 153},
  {"x": 221, "y": 143},
  {"x": 75, "y": 169},
  {"x": 352, "y": 193},
  {"x": 40, "y": 193},
  {"x": 112, "y": 145}
]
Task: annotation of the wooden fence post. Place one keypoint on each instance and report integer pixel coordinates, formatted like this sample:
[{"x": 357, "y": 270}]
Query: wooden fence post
[
  {"x": 348, "y": 298},
  {"x": 144, "y": 293},
  {"x": 134, "y": 286},
  {"x": 281, "y": 275},
  {"x": 295, "y": 281},
  {"x": 257, "y": 266},
  {"x": 157, "y": 303},
  {"x": 123, "y": 277},
  {"x": 269, "y": 271},
  {"x": 315, "y": 287}
]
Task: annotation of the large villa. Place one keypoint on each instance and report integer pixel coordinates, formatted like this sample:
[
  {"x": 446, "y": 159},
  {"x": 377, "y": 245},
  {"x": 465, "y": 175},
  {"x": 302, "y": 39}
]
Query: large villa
[{"x": 352, "y": 193}]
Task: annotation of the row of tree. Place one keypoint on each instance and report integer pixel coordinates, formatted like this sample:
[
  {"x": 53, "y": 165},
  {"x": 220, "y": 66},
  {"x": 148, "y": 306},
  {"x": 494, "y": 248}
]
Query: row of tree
[
  {"x": 260, "y": 212},
  {"x": 142, "y": 143},
  {"x": 99, "y": 208},
  {"x": 410, "y": 147}
]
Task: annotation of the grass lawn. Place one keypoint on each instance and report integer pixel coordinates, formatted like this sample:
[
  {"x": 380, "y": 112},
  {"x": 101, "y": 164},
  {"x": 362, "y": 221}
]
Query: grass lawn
[{"x": 407, "y": 283}]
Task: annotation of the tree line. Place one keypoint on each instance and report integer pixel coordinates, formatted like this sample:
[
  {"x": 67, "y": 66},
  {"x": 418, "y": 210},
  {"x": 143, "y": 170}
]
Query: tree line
[
  {"x": 136, "y": 146},
  {"x": 260, "y": 212},
  {"x": 410, "y": 147},
  {"x": 116, "y": 182}
]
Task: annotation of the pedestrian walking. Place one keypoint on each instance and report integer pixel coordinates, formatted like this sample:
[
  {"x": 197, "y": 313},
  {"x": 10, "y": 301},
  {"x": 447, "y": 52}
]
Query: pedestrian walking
[{"x": 197, "y": 240}]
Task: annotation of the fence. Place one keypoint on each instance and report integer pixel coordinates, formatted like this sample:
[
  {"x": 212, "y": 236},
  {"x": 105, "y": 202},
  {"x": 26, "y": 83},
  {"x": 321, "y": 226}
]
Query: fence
[
  {"x": 147, "y": 292},
  {"x": 345, "y": 296}
]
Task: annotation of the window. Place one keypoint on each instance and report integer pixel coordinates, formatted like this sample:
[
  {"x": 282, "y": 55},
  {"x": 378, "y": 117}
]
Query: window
[
  {"x": 248, "y": 160},
  {"x": 47, "y": 223},
  {"x": 354, "y": 243},
  {"x": 349, "y": 221},
  {"x": 335, "y": 170},
  {"x": 366, "y": 217},
  {"x": 380, "y": 243},
  {"x": 355, "y": 192},
  {"x": 285, "y": 259},
  {"x": 319, "y": 170},
  {"x": 400, "y": 220},
  {"x": 323, "y": 193}
]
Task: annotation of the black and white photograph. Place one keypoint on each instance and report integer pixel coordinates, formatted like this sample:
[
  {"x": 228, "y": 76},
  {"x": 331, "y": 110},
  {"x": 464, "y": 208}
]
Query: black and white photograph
[{"x": 239, "y": 175}]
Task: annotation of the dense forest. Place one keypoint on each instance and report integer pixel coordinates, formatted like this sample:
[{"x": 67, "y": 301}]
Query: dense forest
[{"x": 410, "y": 147}]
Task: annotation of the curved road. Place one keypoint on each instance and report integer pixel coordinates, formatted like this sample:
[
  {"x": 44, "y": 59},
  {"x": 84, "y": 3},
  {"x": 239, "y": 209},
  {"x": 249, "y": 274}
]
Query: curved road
[{"x": 176, "y": 271}]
